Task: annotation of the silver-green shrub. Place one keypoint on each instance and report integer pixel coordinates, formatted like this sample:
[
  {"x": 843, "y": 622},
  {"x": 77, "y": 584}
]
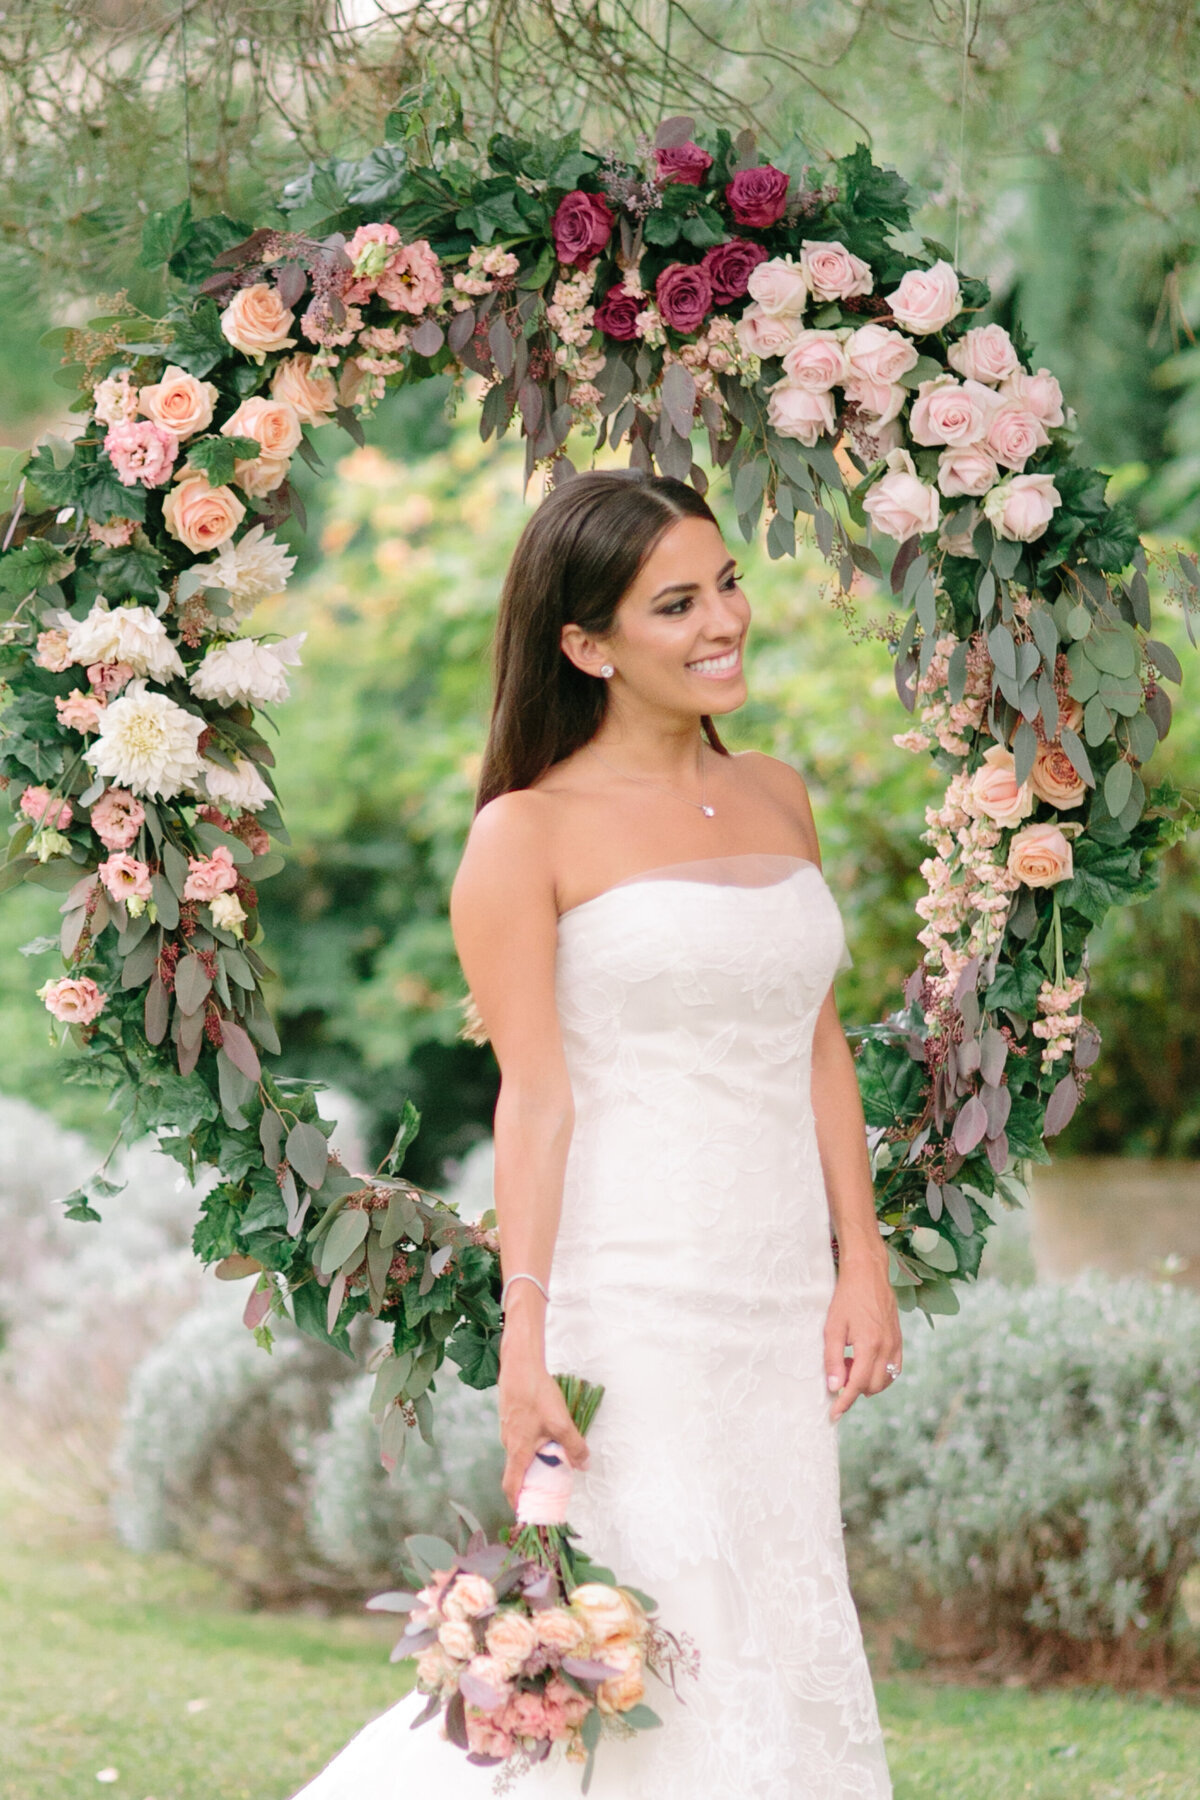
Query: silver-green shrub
[{"x": 1038, "y": 1464}]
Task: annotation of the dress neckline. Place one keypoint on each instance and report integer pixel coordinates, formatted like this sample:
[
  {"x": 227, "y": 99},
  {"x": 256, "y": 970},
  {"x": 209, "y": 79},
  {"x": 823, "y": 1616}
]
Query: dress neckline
[{"x": 671, "y": 874}]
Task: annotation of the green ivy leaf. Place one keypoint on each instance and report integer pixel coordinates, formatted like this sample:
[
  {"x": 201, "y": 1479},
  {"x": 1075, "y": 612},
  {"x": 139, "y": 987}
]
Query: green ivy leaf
[{"x": 216, "y": 456}]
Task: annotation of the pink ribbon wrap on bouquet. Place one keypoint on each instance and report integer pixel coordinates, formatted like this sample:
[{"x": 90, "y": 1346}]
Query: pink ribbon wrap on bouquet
[{"x": 546, "y": 1491}]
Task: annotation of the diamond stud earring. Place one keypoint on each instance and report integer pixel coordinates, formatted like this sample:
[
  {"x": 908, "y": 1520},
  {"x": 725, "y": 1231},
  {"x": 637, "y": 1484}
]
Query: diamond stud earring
[{"x": 606, "y": 669}]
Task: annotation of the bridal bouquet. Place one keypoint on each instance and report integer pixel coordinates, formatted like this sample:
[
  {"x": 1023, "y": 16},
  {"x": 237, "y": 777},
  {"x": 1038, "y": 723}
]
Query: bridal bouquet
[{"x": 526, "y": 1644}]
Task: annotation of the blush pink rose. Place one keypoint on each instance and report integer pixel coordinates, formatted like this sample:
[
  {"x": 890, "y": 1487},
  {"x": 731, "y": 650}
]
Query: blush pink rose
[
  {"x": 946, "y": 411},
  {"x": 582, "y": 225},
  {"x": 1014, "y": 433},
  {"x": 900, "y": 504},
  {"x": 1039, "y": 394},
  {"x": 202, "y": 516},
  {"x": 1040, "y": 856},
  {"x": 125, "y": 877},
  {"x": 1054, "y": 777},
  {"x": 877, "y": 354},
  {"x": 779, "y": 286},
  {"x": 109, "y": 678},
  {"x": 75, "y": 999},
  {"x": 817, "y": 360},
  {"x": 52, "y": 815},
  {"x": 312, "y": 396},
  {"x": 832, "y": 272},
  {"x": 758, "y": 197},
  {"x": 985, "y": 353},
  {"x": 141, "y": 451},
  {"x": 511, "y": 1638},
  {"x": 53, "y": 651},
  {"x": 178, "y": 402},
  {"x": 966, "y": 469},
  {"x": 114, "y": 534},
  {"x": 684, "y": 295},
  {"x": 800, "y": 412},
  {"x": 1021, "y": 507},
  {"x": 729, "y": 267},
  {"x": 879, "y": 402},
  {"x": 457, "y": 1639},
  {"x": 557, "y": 1630},
  {"x": 257, "y": 323},
  {"x": 685, "y": 163},
  {"x": 766, "y": 334},
  {"x": 273, "y": 424},
  {"x": 209, "y": 876},
  {"x": 926, "y": 299},
  {"x": 116, "y": 818},
  {"x": 993, "y": 789},
  {"x": 79, "y": 711},
  {"x": 469, "y": 1598}
]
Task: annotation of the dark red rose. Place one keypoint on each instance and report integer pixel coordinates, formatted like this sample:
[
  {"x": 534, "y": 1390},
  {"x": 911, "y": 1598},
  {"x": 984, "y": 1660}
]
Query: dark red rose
[
  {"x": 617, "y": 314},
  {"x": 684, "y": 295},
  {"x": 758, "y": 196},
  {"x": 728, "y": 267},
  {"x": 685, "y": 163},
  {"x": 582, "y": 226}
]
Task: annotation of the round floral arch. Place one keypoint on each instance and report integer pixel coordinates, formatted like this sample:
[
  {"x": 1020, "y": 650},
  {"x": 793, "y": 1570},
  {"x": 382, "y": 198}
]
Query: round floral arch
[{"x": 696, "y": 296}]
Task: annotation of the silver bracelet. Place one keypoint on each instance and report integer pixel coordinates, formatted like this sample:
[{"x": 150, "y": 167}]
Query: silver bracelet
[{"x": 521, "y": 1275}]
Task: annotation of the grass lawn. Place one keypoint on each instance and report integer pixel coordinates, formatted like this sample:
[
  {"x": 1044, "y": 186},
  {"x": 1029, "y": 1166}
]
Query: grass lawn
[{"x": 142, "y": 1665}]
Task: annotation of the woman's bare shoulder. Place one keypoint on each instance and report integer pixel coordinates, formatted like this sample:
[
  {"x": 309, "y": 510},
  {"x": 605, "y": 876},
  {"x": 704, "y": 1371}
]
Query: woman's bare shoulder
[
  {"x": 511, "y": 838},
  {"x": 781, "y": 783}
]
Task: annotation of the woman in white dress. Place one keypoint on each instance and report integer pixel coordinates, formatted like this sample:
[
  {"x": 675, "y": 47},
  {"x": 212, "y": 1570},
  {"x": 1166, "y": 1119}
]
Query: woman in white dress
[{"x": 642, "y": 920}]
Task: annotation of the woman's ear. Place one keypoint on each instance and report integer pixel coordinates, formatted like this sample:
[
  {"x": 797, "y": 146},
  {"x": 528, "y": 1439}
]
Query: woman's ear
[{"x": 587, "y": 653}]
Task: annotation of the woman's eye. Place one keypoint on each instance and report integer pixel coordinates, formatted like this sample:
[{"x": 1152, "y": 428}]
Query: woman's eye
[{"x": 676, "y": 606}]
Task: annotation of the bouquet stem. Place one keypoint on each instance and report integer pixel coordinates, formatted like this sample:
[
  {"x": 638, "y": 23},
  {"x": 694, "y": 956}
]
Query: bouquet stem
[{"x": 550, "y": 1545}]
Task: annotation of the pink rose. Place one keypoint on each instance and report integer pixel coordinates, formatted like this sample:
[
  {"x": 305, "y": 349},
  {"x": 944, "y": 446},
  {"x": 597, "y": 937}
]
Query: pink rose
[
  {"x": 1040, "y": 856},
  {"x": 582, "y": 225},
  {"x": 457, "y": 1639},
  {"x": 125, "y": 877},
  {"x": 53, "y": 651},
  {"x": 1039, "y": 394},
  {"x": 201, "y": 516},
  {"x": 511, "y": 1638},
  {"x": 993, "y": 789},
  {"x": 1054, "y": 778},
  {"x": 312, "y": 397},
  {"x": 79, "y": 711},
  {"x": 114, "y": 534},
  {"x": 209, "y": 876},
  {"x": 985, "y": 353},
  {"x": 879, "y": 402},
  {"x": 949, "y": 412},
  {"x": 899, "y": 504},
  {"x": 617, "y": 314},
  {"x": 816, "y": 360},
  {"x": 800, "y": 412},
  {"x": 729, "y": 267},
  {"x": 178, "y": 402},
  {"x": 75, "y": 999},
  {"x": 557, "y": 1630},
  {"x": 877, "y": 354},
  {"x": 52, "y": 815},
  {"x": 109, "y": 678},
  {"x": 412, "y": 281},
  {"x": 141, "y": 451},
  {"x": 766, "y": 334},
  {"x": 832, "y": 272},
  {"x": 779, "y": 286},
  {"x": 116, "y": 818},
  {"x": 966, "y": 469},
  {"x": 1014, "y": 433},
  {"x": 257, "y": 322},
  {"x": 275, "y": 427},
  {"x": 684, "y": 296},
  {"x": 685, "y": 163},
  {"x": 469, "y": 1598},
  {"x": 1021, "y": 507},
  {"x": 758, "y": 197},
  {"x": 624, "y": 1689},
  {"x": 926, "y": 299}
]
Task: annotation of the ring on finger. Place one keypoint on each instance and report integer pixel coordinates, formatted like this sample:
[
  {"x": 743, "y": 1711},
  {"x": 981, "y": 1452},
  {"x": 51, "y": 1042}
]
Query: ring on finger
[{"x": 893, "y": 1371}]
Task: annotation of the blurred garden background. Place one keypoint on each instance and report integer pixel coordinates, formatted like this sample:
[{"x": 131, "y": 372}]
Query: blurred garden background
[{"x": 188, "y": 1525}]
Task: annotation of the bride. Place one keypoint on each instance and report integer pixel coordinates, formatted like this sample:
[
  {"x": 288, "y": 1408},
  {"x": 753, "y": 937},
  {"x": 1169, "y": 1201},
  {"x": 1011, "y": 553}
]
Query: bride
[{"x": 643, "y": 922}]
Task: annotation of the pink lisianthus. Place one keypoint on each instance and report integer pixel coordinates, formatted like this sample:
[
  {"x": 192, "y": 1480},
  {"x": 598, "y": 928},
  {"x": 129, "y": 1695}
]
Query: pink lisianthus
[
  {"x": 485, "y": 1737},
  {"x": 75, "y": 999},
  {"x": 116, "y": 818},
  {"x": 53, "y": 651},
  {"x": 109, "y": 678},
  {"x": 141, "y": 451},
  {"x": 209, "y": 876},
  {"x": 574, "y": 1705},
  {"x": 114, "y": 534},
  {"x": 125, "y": 877},
  {"x": 37, "y": 804},
  {"x": 79, "y": 711},
  {"x": 412, "y": 281},
  {"x": 686, "y": 163}
]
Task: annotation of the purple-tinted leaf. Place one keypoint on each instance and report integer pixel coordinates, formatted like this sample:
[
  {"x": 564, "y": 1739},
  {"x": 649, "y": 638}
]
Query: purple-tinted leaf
[
  {"x": 1087, "y": 1045},
  {"x": 586, "y": 1668},
  {"x": 968, "y": 978},
  {"x": 997, "y": 1152},
  {"x": 429, "y": 1711},
  {"x": 970, "y": 1125},
  {"x": 290, "y": 283},
  {"x": 993, "y": 1054},
  {"x": 245, "y": 252},
  {"x": 968, "y": 1056},
  {"x": 72, "y": 931},
  {"x": 412, "y": 1644},
  {"x": 679, "y": 129},
  {"x": 1164, "y": 660},
  {"x": 270, "y": 1136},
  {"x": 1158, "y": 708},
  {"x": 257, "y": 1308},
  {"x": 461, "y": 329},
  {"x": 958, "y": 1208},
  {"x": 679, "y": 398},
  {"x": 488, "y": 1762},
  {"x": 486, "y": 1698},
  {"x": 157, "y": 1011},
  {"x": 297, "y": 1204},
  {"x": 456, "y": 1721},
  {"x": 500, "y": 343},
  {"x": 428, "y": 338},
  {"x": 240, "y": 1050},
  {"x": 933, "y": 1200},
  {"x": 192, "y": 984},
  {"x": 1060, "y": 1106},
  {"x": 395, "y": 1601},
  {"x": 997, "y": 1103},
  {"x": 906, "y": 554}
]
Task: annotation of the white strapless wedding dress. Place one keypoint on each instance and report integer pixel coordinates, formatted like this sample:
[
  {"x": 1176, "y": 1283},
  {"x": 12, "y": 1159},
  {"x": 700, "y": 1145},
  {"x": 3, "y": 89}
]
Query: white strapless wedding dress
[{"x": 692, "y": 1275}]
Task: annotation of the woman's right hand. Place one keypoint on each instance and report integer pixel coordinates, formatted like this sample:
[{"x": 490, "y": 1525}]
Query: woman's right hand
[{"x": 532, "y": 1412}]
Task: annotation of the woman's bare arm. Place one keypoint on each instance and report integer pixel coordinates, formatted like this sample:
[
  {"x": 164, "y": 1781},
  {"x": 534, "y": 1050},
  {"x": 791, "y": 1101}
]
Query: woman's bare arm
[{"x": 505, "y": 920}]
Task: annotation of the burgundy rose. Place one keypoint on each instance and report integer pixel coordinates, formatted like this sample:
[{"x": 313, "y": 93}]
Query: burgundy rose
[
  {"x": 684, "y": 294},
  {"x": 582, "y": 226},
  {"x": 758, "y": 196},
  {"x": 617, "y": 314},
  {"x": 685, "y": 163},
  {"x": 728, "y": 267}
]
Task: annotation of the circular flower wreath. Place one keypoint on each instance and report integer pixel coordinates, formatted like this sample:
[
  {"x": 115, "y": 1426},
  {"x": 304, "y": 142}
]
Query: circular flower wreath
[{"x": 831, "y": 358}]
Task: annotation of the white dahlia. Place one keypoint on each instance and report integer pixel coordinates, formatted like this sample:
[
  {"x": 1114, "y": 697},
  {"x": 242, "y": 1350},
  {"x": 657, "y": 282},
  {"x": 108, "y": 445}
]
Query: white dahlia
[
  {"x": 125, "y": 634},
  {"x": 257, "y": 565},
  {"x": 147, "y": 744},
  {"x": 241, "y": 788},
  {"x": 246, "y": 672}
]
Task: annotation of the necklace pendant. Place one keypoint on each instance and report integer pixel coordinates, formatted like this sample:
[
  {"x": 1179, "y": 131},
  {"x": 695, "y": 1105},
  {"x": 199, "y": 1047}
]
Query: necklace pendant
[{"x": 708, "y": 811}]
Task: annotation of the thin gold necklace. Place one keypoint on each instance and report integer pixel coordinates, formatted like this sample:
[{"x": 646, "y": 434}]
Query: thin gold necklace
[{"x": 701, "y": 804}]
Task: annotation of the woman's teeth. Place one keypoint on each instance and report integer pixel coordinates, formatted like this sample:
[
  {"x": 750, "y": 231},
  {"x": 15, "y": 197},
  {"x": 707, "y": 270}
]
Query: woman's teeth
[{"x": 716, "y": 665}]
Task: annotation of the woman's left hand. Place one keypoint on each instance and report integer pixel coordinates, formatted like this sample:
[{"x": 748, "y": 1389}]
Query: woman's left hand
[{"x": 863, "y": 1316}]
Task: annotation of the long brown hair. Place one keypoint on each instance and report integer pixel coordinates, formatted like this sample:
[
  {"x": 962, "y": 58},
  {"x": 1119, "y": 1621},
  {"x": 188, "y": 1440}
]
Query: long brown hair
[{"x": 574, "y": 561}]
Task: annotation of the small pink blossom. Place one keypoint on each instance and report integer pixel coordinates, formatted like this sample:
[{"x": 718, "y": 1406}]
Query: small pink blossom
[
  {"x": 53, "y": 651},
  {"x": 209, "y": 876},
  {"x": 412, "y": 281},
  {"x": 141, "y": 451},
  {"x": 485, "y": 1737},
  {"x": 125, "y": 877},
  {"x": 109, "y": 678},
  {"x": 79, "y": 711},
  {"x": 51, "y": 814},
  {"x": 116, "y": 818},
  {"x": 114, "y": 534},
  {"x": 75, "y": 999}
]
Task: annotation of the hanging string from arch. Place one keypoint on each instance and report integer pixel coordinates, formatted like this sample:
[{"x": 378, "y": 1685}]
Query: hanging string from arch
[
  {"x": 187, "y": 97},
  {"x": 962, "y": 126}
]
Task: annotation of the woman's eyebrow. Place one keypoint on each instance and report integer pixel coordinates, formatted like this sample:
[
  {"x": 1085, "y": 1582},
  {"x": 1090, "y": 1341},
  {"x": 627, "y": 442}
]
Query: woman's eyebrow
[{"x": 689, "y": 587}]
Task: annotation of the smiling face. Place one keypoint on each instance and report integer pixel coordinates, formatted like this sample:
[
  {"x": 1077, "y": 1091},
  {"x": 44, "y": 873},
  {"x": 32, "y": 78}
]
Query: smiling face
[{"x": 677, "y": 638}]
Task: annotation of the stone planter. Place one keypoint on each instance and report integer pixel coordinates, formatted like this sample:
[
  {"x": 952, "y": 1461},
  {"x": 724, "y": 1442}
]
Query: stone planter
[{"x": 1121, "y": 1215}]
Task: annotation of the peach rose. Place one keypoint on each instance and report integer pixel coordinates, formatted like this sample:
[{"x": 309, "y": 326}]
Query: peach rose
[
  {"x": 832, "y": 272},
  {"x": 1014, "y": 433},
  {"x": 761, "y": 333},
  {"x": 877, "y": 401},
  {"x": 471, "y": 1596},
  {"x": 434, "y": 1669},
  {"x": 273, "y": 424},
  {"x": 985, "y": 353},
  {"x": 993, "y": 789},
  {"x": 966, "y": 469},
  {"x": 900, "y": 504},
  {"x": 178, "y": 402},
  {"x": 1040, "y": 394},
  {"x": 816, "y": 360},
  {"x": 201, "y": 516},
  {"x": 457, "y": 1639},
  {"x": 1021, "y": 507},
  {"x": 946, "y": 411},
  {"x": 557, "y": 1630},
  {"x": 256, "y": 321},
  {"x": 877, "y": 354},
  {"x": 627, "y": 1686},
  {"x": 510, "y": 1639},
  {"x": 1040, "y": 856},
  {"x": 1070, "y": 715},
  {"x": 800, "y": 412},
  {"x": 75, "y": 999},
  {"x": 312, "y": 397},
  {"x": 956, "y": 539},
  {"x": 1054, "y": 779},
  {"x": 926, "y": 299},
  {"x": 606, "y": 1612},
  {"x": 779, "y": 287}
]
